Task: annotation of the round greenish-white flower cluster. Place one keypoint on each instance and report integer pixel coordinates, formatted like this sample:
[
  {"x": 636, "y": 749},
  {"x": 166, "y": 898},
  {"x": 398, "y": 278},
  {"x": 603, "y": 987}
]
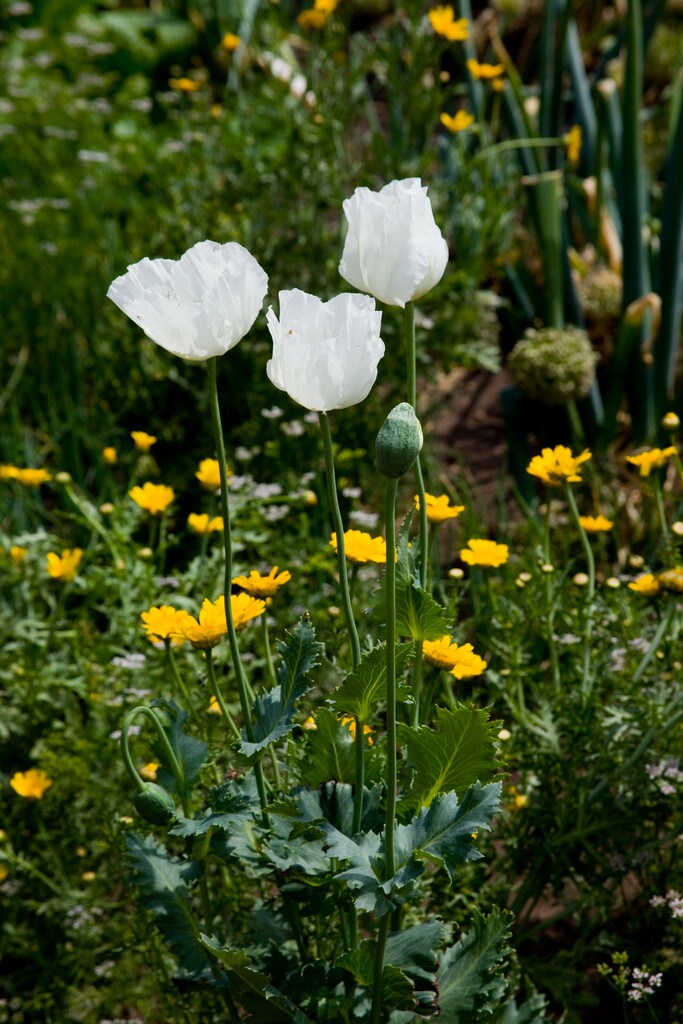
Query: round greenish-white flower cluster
[
  {"x": 556, "y": 365},
  {"x": 599, "y": 293}
]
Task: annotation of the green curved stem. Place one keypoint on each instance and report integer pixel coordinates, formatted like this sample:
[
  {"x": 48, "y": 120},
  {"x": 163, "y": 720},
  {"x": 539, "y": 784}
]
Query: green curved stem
[
  {"x": 588, "y": 618},
  {"x": 659, "y": 500},
  {"x": 172, "y": 760},
  {"x": 347, "y": 606},
  {"x": 242, "y": 686}
]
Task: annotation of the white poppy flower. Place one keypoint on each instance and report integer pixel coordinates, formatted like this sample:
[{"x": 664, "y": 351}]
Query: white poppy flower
[
  {"x": 325, "y": 354},
  {"x": 393, "y": 248},
  {"x": 198, "y": 306}
]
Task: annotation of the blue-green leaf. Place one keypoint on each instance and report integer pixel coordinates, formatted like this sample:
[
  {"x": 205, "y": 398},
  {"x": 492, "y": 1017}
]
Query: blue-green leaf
[{"x": 365, "y": 688}]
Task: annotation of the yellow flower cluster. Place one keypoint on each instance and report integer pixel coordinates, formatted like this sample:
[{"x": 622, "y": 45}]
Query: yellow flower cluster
[
  {"x": 174, "y": 625},
  {"x": 143, "y": 441},
  {"x": 443, "y": 21}
]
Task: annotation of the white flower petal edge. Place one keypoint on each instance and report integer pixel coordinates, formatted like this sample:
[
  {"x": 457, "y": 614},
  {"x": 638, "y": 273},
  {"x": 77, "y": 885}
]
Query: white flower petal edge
[
  {"x": 198, "y": 306},
  {"x": 393, "y": 247},
  {"x": 325, "y": 354}
]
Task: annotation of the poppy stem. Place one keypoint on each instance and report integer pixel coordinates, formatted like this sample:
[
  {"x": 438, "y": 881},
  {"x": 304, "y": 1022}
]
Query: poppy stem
[
  {"x": 242, "y": 686},
  {"x": 411, "y": 361}
]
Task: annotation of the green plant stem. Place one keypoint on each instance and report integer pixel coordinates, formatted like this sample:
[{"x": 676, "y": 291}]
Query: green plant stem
[
  {"x": 242, "y": 686},
  {"x": 270, "y": 667},
  {"x": 172, "y": 760},
  {"x": 550, "y": 613},
  {"x": 659, "y": 501},
  {"x": 411, "y": 366},
  {"x": 347, "y": 608},
  {"x": 391, "y": 753},
  {"x": 512, "y": 144},
  {"x": 663, "y": 626},
  {"x": 213, "y": 683},
  {"x": 586, "y": 681},
  {"x": 179, "y": 681}
]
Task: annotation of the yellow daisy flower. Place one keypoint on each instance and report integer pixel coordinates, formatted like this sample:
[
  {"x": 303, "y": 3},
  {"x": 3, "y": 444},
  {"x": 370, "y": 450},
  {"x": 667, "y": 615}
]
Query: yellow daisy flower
[
  {"x": 143, "y": 442},
  {"x": 572, "y": 141},
  {"x": 460, "y": 661},
  {"x": 230, "y": 41},
  {"x": 152, "y": 498},
  {"x": 554, "y": 465},
  {"x": 149, "y": 771},
  {"x": 350, "y": 724},
  {"x": 647, "y": 585},
  {"x": 439, "y": 509},
  {"x": 655, "y": 458},
  {"x": 484, "y": 71},
  {"x": 109, "y": 455},
  {"x": 214, "y": 707},
  {"x": 458, "y": 122},
  {"x": 444, "y": 23},
  {"x": 485, "y": 553},
  {"x": 209, "y": 474},
  {"x": 26, "y": 477},
  {"x": 200, "y": 522},
  {"x": 31, "y": 784},
  {"x": 184, "y": 84},
  {"x": 596, "y": 524},
  {"x": 211, "y": 626},
  {"x": 64, "y": 567},
  {"x": 17, "y": 553},
  {"x": 263, "y": 586},
  {"x": 163, "y": 623},
  {"x": 360, "y": 547}
]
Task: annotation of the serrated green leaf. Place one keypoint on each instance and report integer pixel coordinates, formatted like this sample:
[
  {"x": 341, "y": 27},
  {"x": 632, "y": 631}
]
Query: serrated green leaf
[
  {"x": 471, "y": 968},
  {"x": 530, "y": 1012},
  {"x": 397, "y": 988},
  {"x": 274, "y": 710},
  {"x": 414, "y": 949},
  {"x": 366, "y": 687},
  {"x": 417, "y": 613},
  {"x": 442, "y": 833},
  {"x": 162, "y": 879},
  {"x": 210, "y": 820},
  {"x": 251, "y": 988},
  {"x": 460, "y": 753}
]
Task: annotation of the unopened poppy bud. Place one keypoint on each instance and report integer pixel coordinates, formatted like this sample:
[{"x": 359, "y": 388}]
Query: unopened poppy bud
[
  {"x": 154, "y": 804},
  {"x": 399, "y": 442}
]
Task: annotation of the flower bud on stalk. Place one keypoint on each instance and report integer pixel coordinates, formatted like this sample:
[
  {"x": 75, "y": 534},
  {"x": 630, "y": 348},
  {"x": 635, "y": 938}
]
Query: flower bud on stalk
[
  {"x": 154, "y": 804},
  {"x": 399, "y": 442}
]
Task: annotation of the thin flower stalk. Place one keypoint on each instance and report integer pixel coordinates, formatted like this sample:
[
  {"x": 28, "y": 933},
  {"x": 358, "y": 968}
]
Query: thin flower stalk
[
  {"x": 347, "y": 607},
  {"x": 215, "y": 689},
  {"x": 550, "y": 609},
  {"x": 242, "y": 685},
  {"x": 659, "y": 502},
  {"x": 172, "y": 760},
  {"x": 180, "y": 682},
  {"x": 389, "y": 856},
  {"x": 411, "y": 361},
  {"x": 661, "y": 631},
  {"x": 586, "y": 682}
]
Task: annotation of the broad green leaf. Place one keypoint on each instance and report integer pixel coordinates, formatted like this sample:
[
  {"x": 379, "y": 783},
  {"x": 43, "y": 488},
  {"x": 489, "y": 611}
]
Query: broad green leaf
[
  {"x": 530, "y": 1012},
  {"x": 274, "y": 710},
  {"x": 163, "y": 879},
  {"x": 414, "y": 949},
  {"x": 328, "y": 752},
  {"x": 251, "y": 988},
  {"x": 443, "y": 833},
  {"x": 366, "y": 687},
  {"x": 397, "y": 988},
  {"x": 210, "y": 820},
  {"x": 417, "y": 613},
  {"x": 190, "y": 752},
  {"x": 460, "y": 753},
  {"x": 471, "y": 970}
]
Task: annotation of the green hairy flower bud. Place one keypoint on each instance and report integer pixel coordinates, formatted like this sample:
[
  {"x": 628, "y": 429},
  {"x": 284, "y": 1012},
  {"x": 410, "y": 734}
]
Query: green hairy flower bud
[
  {"x": 554, "y": 364},
  {"x": 154, "y": 804},
  {"x": 399, "y": 441}
]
